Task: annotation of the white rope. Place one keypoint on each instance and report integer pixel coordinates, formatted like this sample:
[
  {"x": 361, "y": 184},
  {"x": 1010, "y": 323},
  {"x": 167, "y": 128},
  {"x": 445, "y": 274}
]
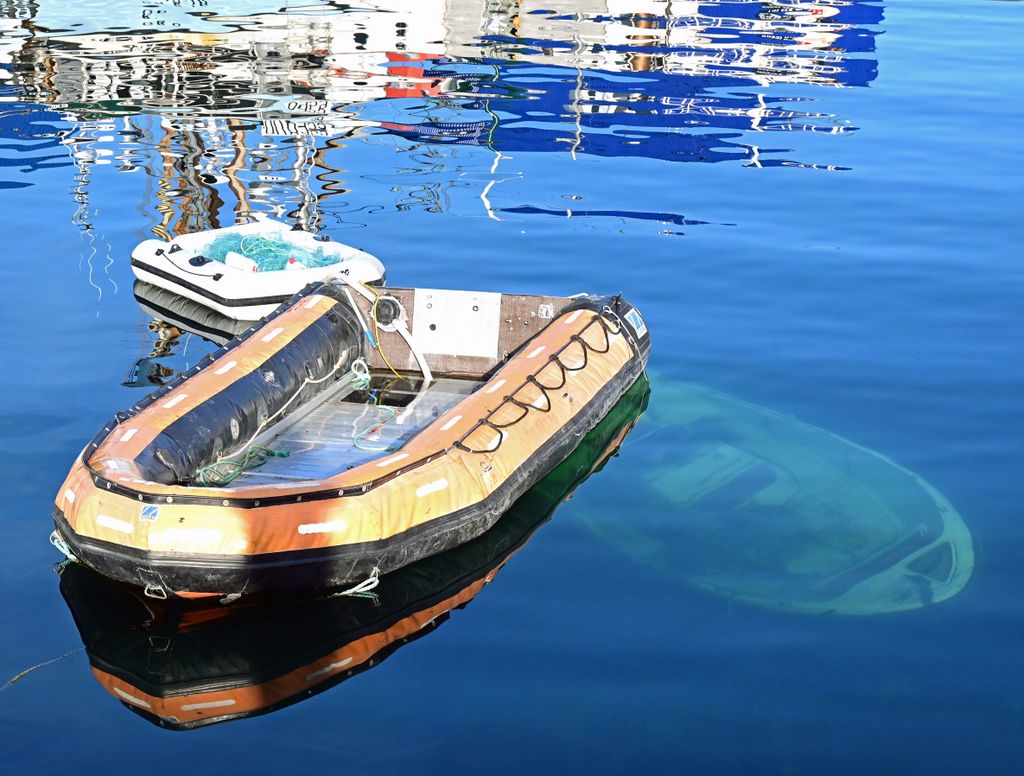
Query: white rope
[
  {"x": 22, "y": 674},
  {"x": 362, "y": 590},
  {"x": 58, "y": 541}
]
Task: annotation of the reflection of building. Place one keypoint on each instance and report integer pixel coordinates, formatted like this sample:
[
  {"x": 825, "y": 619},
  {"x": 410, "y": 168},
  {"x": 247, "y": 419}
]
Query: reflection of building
[
  {"x": 762, "y": 42},
  {"x": 256, "y": 63},
  {"x": 241, "y": 108}
]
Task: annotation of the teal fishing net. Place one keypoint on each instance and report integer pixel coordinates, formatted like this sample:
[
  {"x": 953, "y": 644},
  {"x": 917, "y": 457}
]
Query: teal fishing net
[{"x": 271, "y": 252}]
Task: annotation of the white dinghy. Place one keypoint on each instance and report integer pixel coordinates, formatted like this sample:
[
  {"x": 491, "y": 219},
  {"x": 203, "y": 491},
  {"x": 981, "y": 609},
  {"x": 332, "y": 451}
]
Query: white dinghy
[{"x": 246, "y": 271}]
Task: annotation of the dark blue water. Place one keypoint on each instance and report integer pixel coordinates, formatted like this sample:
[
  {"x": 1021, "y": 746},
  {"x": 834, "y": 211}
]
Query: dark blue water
[{"x": 816, "y": 206}]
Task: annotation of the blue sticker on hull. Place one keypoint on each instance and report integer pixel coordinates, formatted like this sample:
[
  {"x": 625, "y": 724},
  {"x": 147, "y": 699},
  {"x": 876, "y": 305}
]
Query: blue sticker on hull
[{"x": 637, "y": 322}]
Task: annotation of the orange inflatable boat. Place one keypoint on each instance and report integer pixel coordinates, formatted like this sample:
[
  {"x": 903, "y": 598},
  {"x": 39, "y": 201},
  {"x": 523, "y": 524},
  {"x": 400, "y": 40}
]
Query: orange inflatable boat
[
  {"x": 182, "y": 664},
  {"x": 351, "y": 432}
]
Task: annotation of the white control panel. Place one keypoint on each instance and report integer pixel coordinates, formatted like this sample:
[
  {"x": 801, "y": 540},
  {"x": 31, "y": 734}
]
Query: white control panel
[{"x": 460, "y": 323}]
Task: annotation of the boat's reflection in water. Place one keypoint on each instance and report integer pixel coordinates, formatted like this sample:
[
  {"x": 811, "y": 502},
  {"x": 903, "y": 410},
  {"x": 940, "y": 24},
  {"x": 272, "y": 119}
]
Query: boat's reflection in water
[{"x": 183, "y": 666}]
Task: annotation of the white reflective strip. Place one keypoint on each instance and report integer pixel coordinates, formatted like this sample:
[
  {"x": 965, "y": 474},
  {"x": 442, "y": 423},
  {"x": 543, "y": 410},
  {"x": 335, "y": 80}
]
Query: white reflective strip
[
  {"x": 208, "y": 705},
  {"x": 226, "y": 368},
  {"x": 334, "y": 525},
  {"x": 273, "y": 334},
  {"x": 312, "y": 302},
  {"x": 393, "y": 459},
  {"x": 327, "y": 669},
  {"x": 451, "y": 423},
  {"x": 573, "y": 317},
  {"x": 131, "y": 698},
  {"x": 69, "y": 495},
  {"x": 113, "y": 523},
  {"x": 193, "y": 537},
  {"x": 176, "y": 400},
  {"x": 308, "y": 483},
  {"x": 495, "y": 387},
  {"x": 541, "y": 401},
  {"x": 431, "y": 487},
  {"x": 128, "y": 434},
  {"x": 578, "y": 365},
  {"x": 537, "y": 352}
]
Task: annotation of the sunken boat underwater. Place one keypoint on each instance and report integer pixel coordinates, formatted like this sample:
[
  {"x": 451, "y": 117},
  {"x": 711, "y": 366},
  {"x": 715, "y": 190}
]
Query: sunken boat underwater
[
  {"x": 183, "y": 665},
  {"x": 352, "y": 432},
  {"x": 755, "y": 506}
]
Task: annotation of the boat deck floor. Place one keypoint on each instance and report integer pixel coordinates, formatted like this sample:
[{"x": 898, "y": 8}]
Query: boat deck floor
[{"x": 324, "y": 442}]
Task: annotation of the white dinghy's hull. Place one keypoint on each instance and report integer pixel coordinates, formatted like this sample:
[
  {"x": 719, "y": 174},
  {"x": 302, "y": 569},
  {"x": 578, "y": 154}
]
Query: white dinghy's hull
[{"x": 240, "y": 293}]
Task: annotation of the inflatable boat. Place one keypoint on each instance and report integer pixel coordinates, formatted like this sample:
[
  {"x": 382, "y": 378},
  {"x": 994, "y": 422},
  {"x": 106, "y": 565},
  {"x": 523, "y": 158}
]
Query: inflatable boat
[
  {"x": 183, "y": 665},
  {"x": 246, "y": 271},
  {"x": 351, "y": 432}
]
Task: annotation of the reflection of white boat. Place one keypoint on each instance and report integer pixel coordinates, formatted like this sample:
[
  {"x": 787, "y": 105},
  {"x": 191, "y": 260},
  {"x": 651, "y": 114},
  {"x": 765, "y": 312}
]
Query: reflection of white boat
[
  {"x": 238, "y": 284},
  {"x": 187, "y": 315},
  {"x": 756, "y": 506}
]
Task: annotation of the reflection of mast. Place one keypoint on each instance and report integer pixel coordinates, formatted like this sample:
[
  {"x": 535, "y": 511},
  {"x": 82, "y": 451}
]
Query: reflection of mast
[
  {"x": 83, "y": 157},
  {"x": 644, "y": 62},
  {"x": 578, "y": 48},
  {"x": 238, "y": 162},
  {"x": 164, "y": 206},
  {"x": 199, "y": 202},
  {"x": 307, "y": 213},
  {"x": 328, "y": 184}
]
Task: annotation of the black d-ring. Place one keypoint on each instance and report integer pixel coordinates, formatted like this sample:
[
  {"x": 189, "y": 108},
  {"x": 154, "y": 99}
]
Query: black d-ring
[
  {"x": 501, "y": 438},
  {"x": 524, "y": 408},
  {"x": 533, "y": 379},
  {"x": 607, "y": 339},
  {"x": 532, "y": 406}
]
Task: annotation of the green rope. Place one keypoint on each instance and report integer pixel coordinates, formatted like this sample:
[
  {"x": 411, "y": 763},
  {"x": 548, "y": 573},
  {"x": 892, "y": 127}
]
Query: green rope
[
  {"x": 360, "y": 375},
  {"x": 227, "y": 470},
  {"x": 383, "y": 418}
]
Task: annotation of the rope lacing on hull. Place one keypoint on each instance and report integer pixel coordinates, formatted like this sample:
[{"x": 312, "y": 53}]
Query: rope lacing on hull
[{"x": 533, "y": 379}]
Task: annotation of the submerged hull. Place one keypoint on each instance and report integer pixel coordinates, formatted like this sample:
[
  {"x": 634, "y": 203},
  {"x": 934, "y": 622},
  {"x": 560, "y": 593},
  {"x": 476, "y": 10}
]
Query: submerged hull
[
  {"x": 128, "y": 510},
  {"x": 755, "y": 506}
]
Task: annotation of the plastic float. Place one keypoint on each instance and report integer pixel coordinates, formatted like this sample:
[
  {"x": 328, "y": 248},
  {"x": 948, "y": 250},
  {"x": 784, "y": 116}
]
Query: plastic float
[
  {"x": 351, "y": 432},
  {"x": 246, "y": 271},
  {"x": 183, "y": 665}
]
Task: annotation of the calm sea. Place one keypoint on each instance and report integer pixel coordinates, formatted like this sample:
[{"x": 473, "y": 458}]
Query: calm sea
[{"x": 806, "y": 556}]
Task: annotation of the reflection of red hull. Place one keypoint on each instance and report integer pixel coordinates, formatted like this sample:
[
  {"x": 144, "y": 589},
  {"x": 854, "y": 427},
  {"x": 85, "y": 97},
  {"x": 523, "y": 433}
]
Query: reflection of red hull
[
  {"x": 196, "y": 708},
  {"x": 422, "y": 87}
]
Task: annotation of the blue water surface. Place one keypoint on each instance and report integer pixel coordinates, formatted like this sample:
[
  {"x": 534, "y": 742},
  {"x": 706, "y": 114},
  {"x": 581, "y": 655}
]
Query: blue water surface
[{"x": 816, "y": 207}]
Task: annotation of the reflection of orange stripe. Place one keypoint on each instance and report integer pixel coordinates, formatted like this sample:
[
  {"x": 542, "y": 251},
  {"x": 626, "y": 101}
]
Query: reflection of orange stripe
[
  {"x": 245, "y": 700},
  {"x": 142, "y": 429},
  {"x": 452, "y": 482}
]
